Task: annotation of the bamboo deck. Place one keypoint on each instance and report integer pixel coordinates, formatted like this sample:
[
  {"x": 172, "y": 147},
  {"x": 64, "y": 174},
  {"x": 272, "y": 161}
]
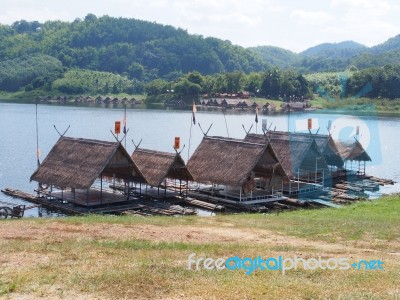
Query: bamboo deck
[{"x": 146, "y": 206}]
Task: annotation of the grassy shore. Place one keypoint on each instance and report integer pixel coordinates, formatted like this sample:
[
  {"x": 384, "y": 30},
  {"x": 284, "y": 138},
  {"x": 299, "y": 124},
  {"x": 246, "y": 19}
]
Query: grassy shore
[
  {"x": 360, "y": 105},
  {"x": 136, "y": 257},
  {"x": 382, "y": 107},
  {"x": 30, "y": 97}
]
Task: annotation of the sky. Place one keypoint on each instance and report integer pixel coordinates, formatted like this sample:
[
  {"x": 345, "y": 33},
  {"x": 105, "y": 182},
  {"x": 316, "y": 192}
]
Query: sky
[{"x": 290, "y": 24}]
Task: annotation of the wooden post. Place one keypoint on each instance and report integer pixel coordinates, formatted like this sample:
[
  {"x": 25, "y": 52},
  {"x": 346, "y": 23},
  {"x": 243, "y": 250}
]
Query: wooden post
[
  {"x": 364, "y": 166},
  {"x": 187, "y": 185},
  {"x": 101, "y": 188},
  {"x": 298, "y": 179},
  {"x": 316, "y": 169}
]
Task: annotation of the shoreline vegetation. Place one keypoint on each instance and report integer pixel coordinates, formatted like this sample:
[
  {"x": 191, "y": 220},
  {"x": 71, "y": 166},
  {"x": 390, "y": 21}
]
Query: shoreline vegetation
[
  {"x": 367, "y": 106},
  {"x": 136, "y": 257}
]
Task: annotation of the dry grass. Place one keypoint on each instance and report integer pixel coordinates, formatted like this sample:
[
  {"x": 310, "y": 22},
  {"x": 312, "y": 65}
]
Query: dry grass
[{"x": 146, "y": 258}]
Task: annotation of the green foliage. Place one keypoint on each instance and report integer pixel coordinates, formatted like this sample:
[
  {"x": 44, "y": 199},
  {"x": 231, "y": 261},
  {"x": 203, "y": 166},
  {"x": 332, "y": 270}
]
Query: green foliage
[
  {"x": 285, "y": 84},
  {"x": 92, "y": 82},
  {"x": 144, "y": 50},
  {"x": 329, "y": 84},
  {"x": 277, "y": 57},
  {"x": 376, "y": 82},
  {"x": 34, "y": 55},
  {"x": 34, "y": 70},
  {"x": 345, "y": 49}
]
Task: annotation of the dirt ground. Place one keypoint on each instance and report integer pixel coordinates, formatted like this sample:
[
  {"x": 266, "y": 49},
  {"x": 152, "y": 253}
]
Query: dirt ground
[{"x": 224, "y": 233}]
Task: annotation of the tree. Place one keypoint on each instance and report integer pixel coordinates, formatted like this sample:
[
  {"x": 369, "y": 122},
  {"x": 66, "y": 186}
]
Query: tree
[
  {"x": 156, "y": 87},
  {"x": 195, "y": 77},
  {"x": 136, "y": 71},
  {"x": 185, "y": 87},
  {"x": 271, "y": 84},
  {"x": 90, "y": 18}
]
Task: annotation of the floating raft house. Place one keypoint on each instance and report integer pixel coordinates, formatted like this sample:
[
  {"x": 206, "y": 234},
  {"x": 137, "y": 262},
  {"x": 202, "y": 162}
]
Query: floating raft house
[
  {"x": 237, "y": 170},
  {"x": 300, "y": 158},
  {"x": 75, "y": 170},
  {"x": 162, "y": 169},
  {"x": 353, "y": 151},
  {"x": 325, "y": 143}
]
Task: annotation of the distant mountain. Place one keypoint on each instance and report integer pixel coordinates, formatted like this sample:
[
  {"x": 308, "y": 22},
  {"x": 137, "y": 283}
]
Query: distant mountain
[
  {"x": 276, "y": 56},
  {"x": 392, "y": 44},
  {"x": 346, "y": 49},
  {"x": 143, "y": 51}
]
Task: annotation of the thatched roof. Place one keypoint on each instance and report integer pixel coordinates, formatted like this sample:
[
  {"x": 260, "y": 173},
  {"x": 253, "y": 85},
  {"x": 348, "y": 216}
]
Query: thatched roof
[
  {"x": 77, "y": 163},
  {"x": 325, "y": 143},
  {"x": 352, "y": 150},
  {"x": 231, "y": 161},
  {"x": 156, "y": 166},
  {"x": 294, "y": 154}
]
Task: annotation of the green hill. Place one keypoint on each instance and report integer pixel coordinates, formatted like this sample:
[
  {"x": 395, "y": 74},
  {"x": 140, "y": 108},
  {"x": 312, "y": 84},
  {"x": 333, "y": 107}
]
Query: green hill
[
  {"x": 276, "y": 56},
  {"x": 121, "y": 55},
  {"x": 392, "y": 44},
  {"x": 346, "y": 49},
  {"x": 123, "y": 45}
]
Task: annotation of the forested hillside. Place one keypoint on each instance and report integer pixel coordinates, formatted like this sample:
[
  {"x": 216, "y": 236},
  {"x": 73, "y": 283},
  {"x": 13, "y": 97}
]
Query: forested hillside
[
  {"x": 141, "y": 49},
  {"x": 118, "y": 55}
]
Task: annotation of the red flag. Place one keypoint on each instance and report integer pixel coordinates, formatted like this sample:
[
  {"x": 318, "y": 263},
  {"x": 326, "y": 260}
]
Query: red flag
[{"x": 309, "y": 123}]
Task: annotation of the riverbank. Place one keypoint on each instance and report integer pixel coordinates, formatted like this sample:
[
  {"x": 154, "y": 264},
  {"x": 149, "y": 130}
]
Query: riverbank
[
  {"x": 366, "y": 106},
  {"x": 136, "y": 257}
]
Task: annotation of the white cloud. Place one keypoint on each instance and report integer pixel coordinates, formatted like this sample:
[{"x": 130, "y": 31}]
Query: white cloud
[
  {"x": 310, "y": 17},
  {"x": 369, "y": 4}
]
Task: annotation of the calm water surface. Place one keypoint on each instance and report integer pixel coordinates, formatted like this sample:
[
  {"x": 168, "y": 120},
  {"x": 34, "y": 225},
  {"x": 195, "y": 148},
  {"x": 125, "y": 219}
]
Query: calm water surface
[{"x": 157, "y": 129}]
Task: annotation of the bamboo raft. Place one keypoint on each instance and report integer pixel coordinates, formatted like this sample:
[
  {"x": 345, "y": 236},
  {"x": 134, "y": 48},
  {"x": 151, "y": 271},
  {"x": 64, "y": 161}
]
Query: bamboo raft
[
  {"x": 146, "y": 206},
  {"x": 203, "y": 204},
  {"x": 382, "y": 181}
]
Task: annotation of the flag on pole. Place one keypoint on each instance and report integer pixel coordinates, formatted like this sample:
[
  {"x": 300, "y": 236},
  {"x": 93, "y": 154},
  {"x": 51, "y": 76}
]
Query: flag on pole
[
  {"x": 306, "y": 124},
  {"x": 264, "y": 124},
  {"x": 194, "y": 110},
  {"x": 309, "y": 124},
  {"x": 256, "y": 115},
  {"x": 124, "y": 122}
]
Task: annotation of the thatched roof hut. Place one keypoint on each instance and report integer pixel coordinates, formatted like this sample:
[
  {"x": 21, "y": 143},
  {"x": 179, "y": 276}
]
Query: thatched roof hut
[
  {"x": 157, "y": 166},
  {"x": 231, "y": 162},
  {"x": 295, "y": 106},
  {"x": 325, "y": 143},
  {"x": 352, "y": 151},
  {"x": 296, "y": 155},
  {"x": 77, "y": 163}
]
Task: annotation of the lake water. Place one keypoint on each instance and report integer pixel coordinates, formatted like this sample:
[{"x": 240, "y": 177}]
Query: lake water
[{"x": 157, "y": 129}]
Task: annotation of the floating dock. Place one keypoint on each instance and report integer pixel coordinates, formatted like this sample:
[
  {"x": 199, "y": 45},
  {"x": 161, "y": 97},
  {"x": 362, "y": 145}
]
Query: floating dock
[{"x": 147, "y": 206}]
